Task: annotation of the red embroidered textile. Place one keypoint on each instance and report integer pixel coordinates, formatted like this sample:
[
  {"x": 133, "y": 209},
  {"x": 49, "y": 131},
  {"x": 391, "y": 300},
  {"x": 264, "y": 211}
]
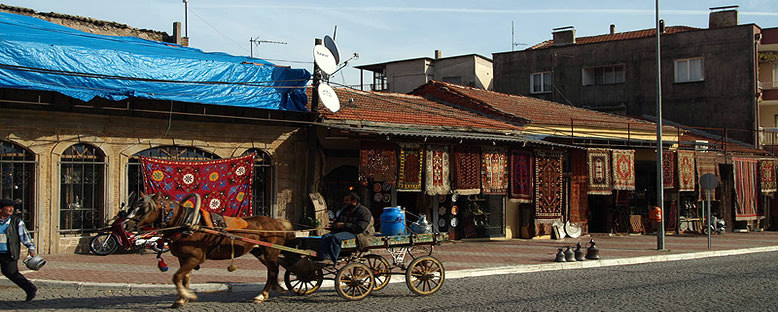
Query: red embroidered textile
[
  {"x": 494, "y": 171},
  {"x": 686, "y": 179},
  {"x": 224, "y": 185},
  {"x": 767, "y": 176},
  {"x": 623, "y": 170},
  {"x": 599, "y": 171},
  {"x": 411, "y": 161},
  {"x": 377, "y": 162},
  {"x": 548, "y": 181},
  {"x": 437, "y": 170},
  {"x": 467, "y": 170},
  {"x": 706, "y": 163},
  {"x": 668, "y": 169},
  {"x": 745, "y": 188},
  {"x": 522, "y": 166},
  {"x": 579, "y": 200}
]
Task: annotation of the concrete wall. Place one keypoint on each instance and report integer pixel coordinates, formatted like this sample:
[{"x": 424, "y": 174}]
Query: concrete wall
[
  {"x": 729, "y": 77},
  {"x": 48, "y": 134},
  {"x": 403, "y": 77}
]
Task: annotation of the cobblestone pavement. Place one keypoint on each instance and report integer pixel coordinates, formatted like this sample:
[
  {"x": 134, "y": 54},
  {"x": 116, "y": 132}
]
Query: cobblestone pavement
[{"x": 744, "y": 282}]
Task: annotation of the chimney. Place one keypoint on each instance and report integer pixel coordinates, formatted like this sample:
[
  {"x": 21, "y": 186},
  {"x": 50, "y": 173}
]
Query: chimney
[
  {"x": 438, "y": 54},
  {"x": 184, "y": 41},
  {"x": 723, "y": 17},
  {"x": 613, "y": 29},
  {"x": 564, "y": 35}
]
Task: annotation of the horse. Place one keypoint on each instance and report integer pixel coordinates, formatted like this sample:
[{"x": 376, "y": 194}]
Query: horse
[{"x": 192, "y": 248}]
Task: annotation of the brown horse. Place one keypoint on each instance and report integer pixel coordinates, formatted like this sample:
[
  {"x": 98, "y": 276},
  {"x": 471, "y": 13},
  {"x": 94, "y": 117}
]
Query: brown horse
[{"x": 193, "y": 248}]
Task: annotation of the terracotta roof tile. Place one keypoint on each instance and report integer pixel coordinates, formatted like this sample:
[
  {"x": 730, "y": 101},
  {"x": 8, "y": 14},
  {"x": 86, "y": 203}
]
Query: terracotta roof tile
[{"x": 617, "y": 36}]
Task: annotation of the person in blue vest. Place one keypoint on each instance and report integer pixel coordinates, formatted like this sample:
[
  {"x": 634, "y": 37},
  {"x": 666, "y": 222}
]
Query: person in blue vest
[
  {"x": 354, "y": 221},
  {"x": 13, "y": 233}
]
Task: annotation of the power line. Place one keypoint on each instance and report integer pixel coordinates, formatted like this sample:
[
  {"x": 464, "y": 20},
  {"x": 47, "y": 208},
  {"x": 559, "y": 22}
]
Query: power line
[{"x": 219, "y": 32}]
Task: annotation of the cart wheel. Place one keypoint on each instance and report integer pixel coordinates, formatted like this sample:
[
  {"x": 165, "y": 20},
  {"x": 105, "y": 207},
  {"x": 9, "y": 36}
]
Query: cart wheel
[
  {"x": 425, "y": 275},
  {"x": 103, "y": 244},
  {"x": 354, "y": 281},
  {"x": 381, "y": 270},
  {"x": 303, "y": 285}
]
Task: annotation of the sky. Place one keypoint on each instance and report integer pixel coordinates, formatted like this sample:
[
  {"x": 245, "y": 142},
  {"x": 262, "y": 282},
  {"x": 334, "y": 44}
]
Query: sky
[{"x": 382, "y": 31}]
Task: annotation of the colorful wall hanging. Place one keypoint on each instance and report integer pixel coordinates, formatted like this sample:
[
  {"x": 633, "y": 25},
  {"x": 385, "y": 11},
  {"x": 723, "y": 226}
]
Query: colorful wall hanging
[
  {"x": 668, "y": 169},
  {"x": 744, "y": 171},
  {"x": 437, "y": 170},
  {"x": 411, "y": 162},
  {"x": 623, "y": 170},
  {"x": 377, "y": 162},
  {"x": 599, "y": 171},
  {"x": 494, "y": 171},
  {"x": 579, "y": 200},
  {"x": 706, "y": 163},
  {"x": 467, "y": 170},
  {"x": 767, "y": 176},
  {"x": 521, "y": 173},
  {"x": 686, "y": 179},
  {"x": 224, "y": 185},
  {"x": 548, "y": 185}
]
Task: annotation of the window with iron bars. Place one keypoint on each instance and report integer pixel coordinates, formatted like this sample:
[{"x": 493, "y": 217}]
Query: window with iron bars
[
  {"x": 17, "y": 180},
  {"x": 82, "y": 188}
]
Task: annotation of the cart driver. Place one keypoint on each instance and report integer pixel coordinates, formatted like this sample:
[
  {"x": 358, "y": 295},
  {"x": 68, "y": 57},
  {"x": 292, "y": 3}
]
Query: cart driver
[{"x": 354, "y": 221}]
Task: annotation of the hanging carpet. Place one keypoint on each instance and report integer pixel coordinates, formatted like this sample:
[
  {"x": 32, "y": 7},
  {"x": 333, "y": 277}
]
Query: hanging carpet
[
  {"x": 579, "y": 200},
  {"x": 767, "y": 176},
  {"x": 411, "y": 162},
  {"x": 224, "y": 185},
  {"x": 494, "y": 171},
  {"x": 686, "y": 179},
  {"x": 599, "y": 171},
  {"x": 623, "y": 170},
  {"x": 522, "y": 166},
  {"x": 706, "y": 163},
  {"x": 668, "y": 169},
  {"x": 744, "y": 171},
  {"x": 548, "y": 185},
  {"x": 377, "y": 162},
  {"x": 467, "y": 170},
  {"x": 437, "y": 170}
]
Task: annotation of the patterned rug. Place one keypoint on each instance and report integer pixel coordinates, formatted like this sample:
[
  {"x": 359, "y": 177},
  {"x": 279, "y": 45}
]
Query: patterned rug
[
  {"x": 377, "y": 162},
  {"x": 437, "y": 170},
  {"x": 579, "y": 200},
  {"x": 744, "y": 171},
  {"x": 467, "y": 170},
  {"x": 548, "y": 181},
  {"x": 686, "y": 179},
  {"x": 599, "y": 171},
  {"x": 224, "y": 185},
  {"x": 767, "y": 176},
  {"x": 494, "y": 171},
  {"x": 411, "y": 162},
  {"x": 522, "y": 165},
  {"x": 706, "y": 163},
  {"x": 623, "y": 170},
  {"x": 668, "y": 169}
]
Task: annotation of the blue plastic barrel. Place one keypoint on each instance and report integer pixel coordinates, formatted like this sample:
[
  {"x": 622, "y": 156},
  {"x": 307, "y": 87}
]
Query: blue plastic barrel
[{"x": 393, "y": 221}]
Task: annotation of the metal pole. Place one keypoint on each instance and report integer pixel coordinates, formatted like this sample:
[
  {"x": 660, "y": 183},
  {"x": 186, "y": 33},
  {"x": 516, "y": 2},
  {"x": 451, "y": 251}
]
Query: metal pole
[
  {"x": 660, "y": 185},
  {"x": 708, "y": 223},
  {"x": 316, "y": 80},
  {"x": 186, "y": 18}
]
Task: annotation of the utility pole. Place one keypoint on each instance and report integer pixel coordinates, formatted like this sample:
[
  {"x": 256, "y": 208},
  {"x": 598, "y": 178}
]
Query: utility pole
[
  {"x": 186, "y": 18},
  {"x": 660, "y": 183}
]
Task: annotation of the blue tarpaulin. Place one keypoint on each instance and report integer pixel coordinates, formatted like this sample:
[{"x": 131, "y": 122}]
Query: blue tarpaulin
[{"x": 39, "y": 55}]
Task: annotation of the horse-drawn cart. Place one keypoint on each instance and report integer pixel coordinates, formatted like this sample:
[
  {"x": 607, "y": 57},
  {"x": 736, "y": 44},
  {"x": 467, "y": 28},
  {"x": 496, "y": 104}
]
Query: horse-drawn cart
[{"x": 361, "y": 271}]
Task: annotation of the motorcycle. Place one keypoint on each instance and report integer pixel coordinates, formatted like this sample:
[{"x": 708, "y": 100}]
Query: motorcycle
[{"x": 112, "y": 237}]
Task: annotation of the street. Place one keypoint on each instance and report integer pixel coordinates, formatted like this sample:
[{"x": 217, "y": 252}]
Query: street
[{"x": 743, "y": 282}]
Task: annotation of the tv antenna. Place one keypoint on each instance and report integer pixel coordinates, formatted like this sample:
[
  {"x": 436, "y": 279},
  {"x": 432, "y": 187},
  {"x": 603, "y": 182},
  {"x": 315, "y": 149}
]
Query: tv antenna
[
  {"x": 256, "y": 41},
  {"x": 513, "y": 40}
]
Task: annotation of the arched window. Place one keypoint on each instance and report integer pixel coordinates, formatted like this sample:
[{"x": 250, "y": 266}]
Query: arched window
[
  {"x": 170, "y": 152},
  {"x": 82, "y": 188},
  {"x": 262, "y": 188},
  {"x": 17, "y": 178}
]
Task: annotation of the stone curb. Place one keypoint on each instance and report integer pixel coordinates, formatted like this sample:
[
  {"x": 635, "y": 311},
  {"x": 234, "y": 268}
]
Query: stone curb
[{"x": 513, "y": 269}]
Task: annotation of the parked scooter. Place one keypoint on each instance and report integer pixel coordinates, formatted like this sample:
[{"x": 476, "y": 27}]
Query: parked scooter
[{"x": 112, "y": 237}]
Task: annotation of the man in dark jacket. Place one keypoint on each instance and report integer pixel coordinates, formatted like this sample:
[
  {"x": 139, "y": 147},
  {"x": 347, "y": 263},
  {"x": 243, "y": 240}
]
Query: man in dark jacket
[
  {"x": 354, "y": 221},
  {"x": 13, "y": 233}
]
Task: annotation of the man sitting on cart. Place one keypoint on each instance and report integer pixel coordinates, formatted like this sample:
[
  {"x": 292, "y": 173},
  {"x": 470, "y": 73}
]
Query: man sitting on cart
[{"x": 354, "y": 221}]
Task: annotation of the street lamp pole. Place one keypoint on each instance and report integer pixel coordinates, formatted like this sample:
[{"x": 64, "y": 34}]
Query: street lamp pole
[{"x": 660, "y": 185}]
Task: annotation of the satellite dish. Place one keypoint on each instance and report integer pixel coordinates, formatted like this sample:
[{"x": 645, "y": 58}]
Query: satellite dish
[
  {"x": 324, "y": 58},
  {"x": 330, "y": 44},
  {"x": 328, "y": 97}
]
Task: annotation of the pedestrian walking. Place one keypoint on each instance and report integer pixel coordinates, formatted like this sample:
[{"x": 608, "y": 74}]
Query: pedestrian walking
[{"x": 13, "y": 233}]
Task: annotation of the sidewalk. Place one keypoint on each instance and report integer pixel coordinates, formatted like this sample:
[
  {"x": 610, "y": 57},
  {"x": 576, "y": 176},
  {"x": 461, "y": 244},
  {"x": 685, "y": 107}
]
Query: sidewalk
[{"x": 461, "y": 259}]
